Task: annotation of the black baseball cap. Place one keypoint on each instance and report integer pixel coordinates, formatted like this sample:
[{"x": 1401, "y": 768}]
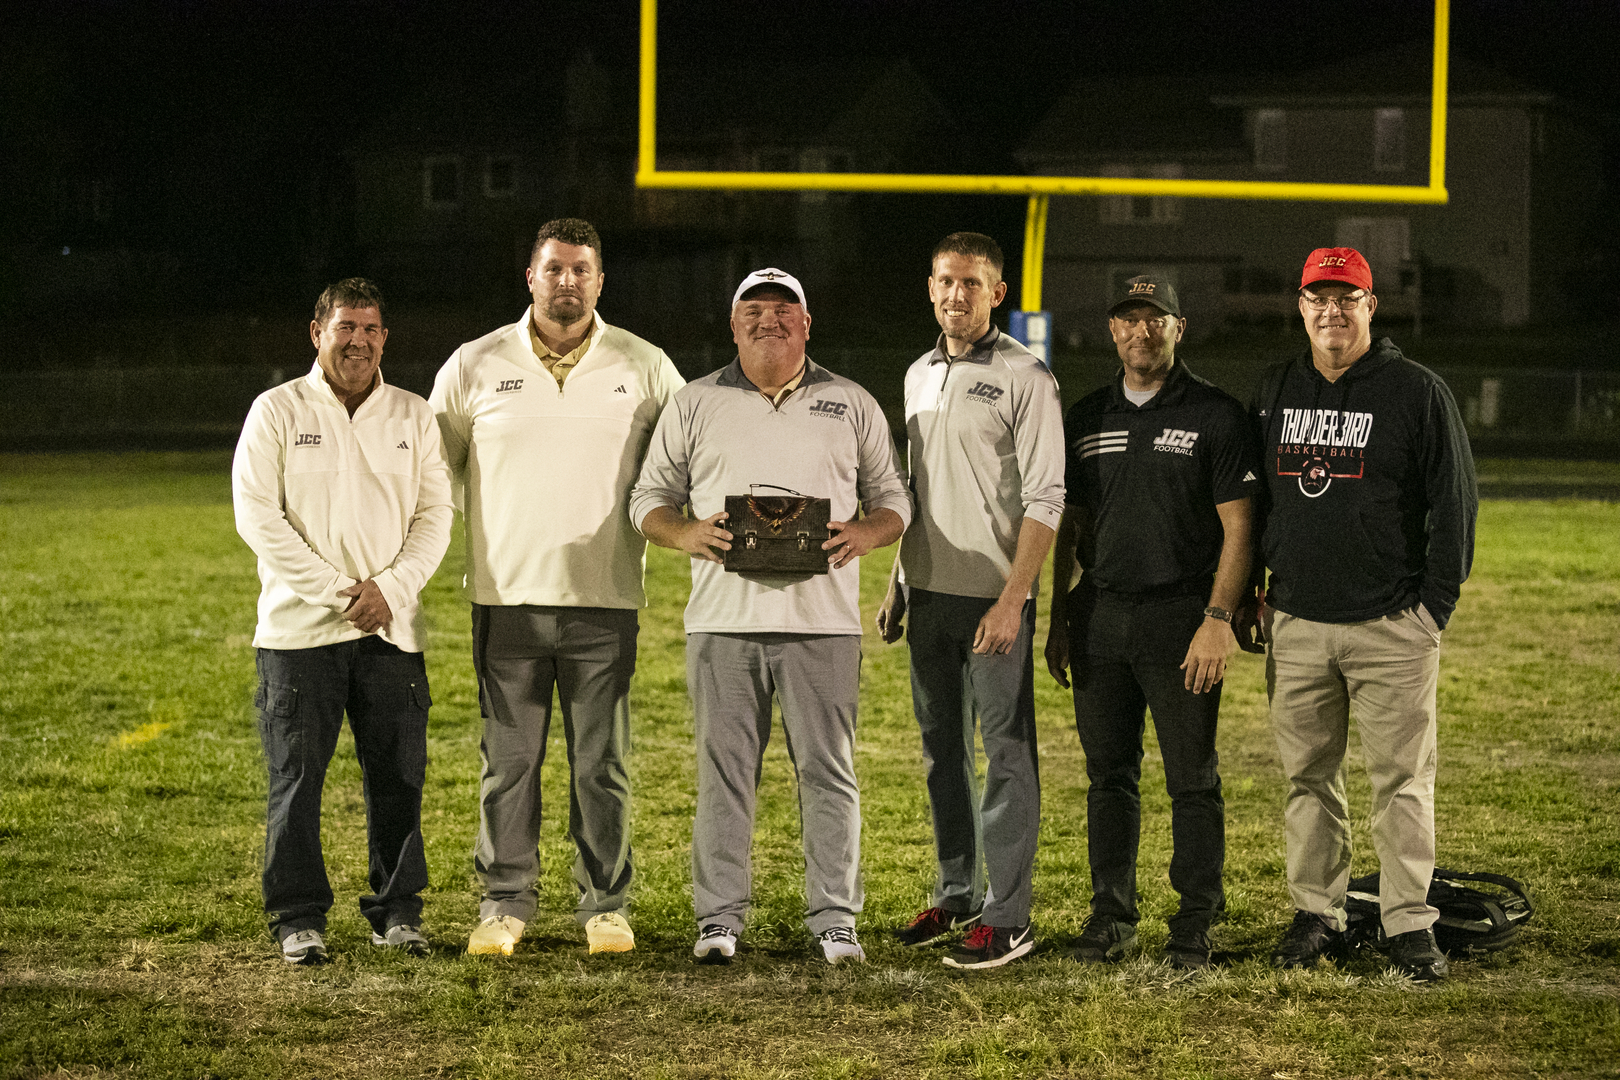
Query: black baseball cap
[{"x": 1147, "y": 289}]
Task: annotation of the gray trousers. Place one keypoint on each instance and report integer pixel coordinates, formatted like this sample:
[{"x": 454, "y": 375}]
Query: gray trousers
[
  {"x": 950, "y": 686},
  {"x": 1384, "y": 672},
  {"x": 521, "y": 654},
  {"x": 816, "y": 677}
]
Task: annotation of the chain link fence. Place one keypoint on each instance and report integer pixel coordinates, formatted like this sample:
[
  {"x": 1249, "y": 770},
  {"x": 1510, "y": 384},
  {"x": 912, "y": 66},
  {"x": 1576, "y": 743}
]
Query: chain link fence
[
  {"x": 1508, "y": 411},
  {"x": 1578, "y": 405}
]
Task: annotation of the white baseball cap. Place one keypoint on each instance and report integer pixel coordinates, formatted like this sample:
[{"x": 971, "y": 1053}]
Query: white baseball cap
[{"x": 771, "y": 276}]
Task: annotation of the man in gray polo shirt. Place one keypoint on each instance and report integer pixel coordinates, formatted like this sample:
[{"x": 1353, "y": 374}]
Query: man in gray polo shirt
[
  {"x": 985, "y": 429},
  {"x": 772, "y": 417}
]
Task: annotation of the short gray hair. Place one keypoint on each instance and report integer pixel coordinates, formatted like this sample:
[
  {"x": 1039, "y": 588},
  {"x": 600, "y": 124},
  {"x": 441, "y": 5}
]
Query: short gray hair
[{"x": 353, "y": 292}]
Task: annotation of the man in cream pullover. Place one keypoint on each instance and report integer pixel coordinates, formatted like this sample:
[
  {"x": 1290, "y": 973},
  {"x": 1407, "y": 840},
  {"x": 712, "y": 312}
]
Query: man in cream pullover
[
  {"x": 773, "y": 417},
  {"x": 545, "y": 423},
  {"x": 341, "y": 490}
]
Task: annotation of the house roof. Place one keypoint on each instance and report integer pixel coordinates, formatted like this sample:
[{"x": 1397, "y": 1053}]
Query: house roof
[
  {"x": 1402, "y": 76},
  {"x": 500, "y": 109},
  {"x": 875, "y": 109},
  {"x": 1146, "y": 115},
  {"x": 1203, "y": 115},
  {"x": 860, "y": 105}
]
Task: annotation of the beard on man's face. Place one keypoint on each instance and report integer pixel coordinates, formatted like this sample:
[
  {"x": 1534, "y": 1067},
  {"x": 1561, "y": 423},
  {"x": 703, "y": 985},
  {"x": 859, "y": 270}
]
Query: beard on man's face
[{"x": 565, "y": 310}]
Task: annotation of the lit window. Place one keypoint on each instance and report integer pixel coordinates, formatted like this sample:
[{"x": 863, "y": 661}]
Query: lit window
[
  {"x": 1271, "y": 140},
  {"x": 500, "y": 177},
  {"x": 441, "y": 181},
  {"x": 1386, "y": 242},
  {"x": 1389, "y": 140},
  {"x": 813, "y": 161},
  {"x": 1141, "y": 209}
]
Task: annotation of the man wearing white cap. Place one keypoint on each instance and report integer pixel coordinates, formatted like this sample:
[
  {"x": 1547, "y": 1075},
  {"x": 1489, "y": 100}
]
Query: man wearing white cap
[
  {"x": 773, "y": 419},
  {"x": 545, "y": 423},
  {"x": 1369, "y": 534}
]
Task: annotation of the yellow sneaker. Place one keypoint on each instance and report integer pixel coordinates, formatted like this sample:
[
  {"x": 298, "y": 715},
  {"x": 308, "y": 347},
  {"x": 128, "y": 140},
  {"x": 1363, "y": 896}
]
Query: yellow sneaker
[
  {"x": 609, "y": 932},
  {"x": 495, "y": 936}
]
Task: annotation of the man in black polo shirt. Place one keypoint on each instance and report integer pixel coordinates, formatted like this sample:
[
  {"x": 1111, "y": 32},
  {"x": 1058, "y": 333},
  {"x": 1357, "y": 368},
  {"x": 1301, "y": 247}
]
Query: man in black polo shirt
[{"x": 1161, "y": 477}]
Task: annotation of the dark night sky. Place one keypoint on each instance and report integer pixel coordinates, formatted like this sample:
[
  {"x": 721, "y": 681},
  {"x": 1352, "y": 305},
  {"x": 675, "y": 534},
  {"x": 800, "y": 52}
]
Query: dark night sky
[
  {"x": 253, "y": 93},
  {"x": 211, "y": 65}
]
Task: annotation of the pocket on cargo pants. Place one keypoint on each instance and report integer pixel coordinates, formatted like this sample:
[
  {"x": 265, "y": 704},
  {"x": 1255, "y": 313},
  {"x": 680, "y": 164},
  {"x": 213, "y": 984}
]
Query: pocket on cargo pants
[
  {"x": 412, "y": 735},
  {"x": 281, "y": 728}
]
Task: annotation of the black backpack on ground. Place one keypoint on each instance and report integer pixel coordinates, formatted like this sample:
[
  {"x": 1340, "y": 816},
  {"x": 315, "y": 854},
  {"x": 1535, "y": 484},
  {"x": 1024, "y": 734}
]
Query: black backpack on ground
[{"x": 1471, "y": 920}]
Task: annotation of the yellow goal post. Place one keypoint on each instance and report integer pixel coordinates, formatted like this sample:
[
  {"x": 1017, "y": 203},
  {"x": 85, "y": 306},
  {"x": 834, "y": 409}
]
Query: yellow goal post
[{"x": 1038, "y": 188}]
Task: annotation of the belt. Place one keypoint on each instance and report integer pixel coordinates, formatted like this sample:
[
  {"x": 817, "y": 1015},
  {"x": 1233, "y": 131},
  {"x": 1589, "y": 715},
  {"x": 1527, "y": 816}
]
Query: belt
[{"x": 1198, "y": 586}]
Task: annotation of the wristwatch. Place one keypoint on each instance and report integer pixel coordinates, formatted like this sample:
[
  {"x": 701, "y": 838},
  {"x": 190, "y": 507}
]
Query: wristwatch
[{"x": 1222, "y": 614}]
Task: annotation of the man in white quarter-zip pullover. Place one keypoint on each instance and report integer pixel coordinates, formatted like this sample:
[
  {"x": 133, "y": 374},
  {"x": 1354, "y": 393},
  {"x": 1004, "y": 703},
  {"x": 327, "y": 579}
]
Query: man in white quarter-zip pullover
[
  {"x": 341, "y": 490},
  {"x": 984, "y": 429},
  {"x": 545, "y": 423}
]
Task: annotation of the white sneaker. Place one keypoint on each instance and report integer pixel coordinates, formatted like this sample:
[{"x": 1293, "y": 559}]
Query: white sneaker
[
  {"x": 839, "y": 944},
  {"x": 403, "y": 936},
  {"x": 716, "y": 944},
  {"x": 495, "y": 936},
  {"x": 609, "y": 932},
  {"x": 304, "y": 947}
]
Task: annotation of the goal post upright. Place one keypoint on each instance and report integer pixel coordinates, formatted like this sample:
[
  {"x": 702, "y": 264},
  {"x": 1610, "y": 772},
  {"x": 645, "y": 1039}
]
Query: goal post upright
[
  {"x": 647, "y": 107},
  {"x": 1437, "y": 97},
  {"x": 1034, "y": 250}
]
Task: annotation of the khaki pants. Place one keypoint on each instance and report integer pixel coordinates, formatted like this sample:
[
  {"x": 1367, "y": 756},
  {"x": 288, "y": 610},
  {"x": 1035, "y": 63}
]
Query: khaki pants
[{"x": 1385, "y": 671}]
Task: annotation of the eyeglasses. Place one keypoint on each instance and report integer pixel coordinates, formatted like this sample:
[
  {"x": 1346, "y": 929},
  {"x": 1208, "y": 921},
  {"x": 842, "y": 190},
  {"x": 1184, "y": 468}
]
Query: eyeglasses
[{"x": 1348, "y": 302}]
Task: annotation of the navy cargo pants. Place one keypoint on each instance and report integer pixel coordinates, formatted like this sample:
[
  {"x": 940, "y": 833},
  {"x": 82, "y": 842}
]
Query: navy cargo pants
[{"x": 302, "y": 697}]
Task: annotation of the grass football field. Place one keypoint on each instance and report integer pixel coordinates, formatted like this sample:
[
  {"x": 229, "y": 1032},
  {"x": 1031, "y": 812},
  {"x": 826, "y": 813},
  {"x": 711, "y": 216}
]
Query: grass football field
[{"x": 131, "y": 833}]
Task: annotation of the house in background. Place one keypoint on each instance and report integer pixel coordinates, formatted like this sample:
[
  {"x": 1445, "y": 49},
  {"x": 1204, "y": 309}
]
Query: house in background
[
  {"x": 451, "y": 188},
  {"x": 1500, "y": 253}
]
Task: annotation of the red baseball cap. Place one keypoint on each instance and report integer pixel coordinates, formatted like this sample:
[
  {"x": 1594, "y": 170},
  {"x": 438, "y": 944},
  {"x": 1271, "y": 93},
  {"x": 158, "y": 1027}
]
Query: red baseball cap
[{"x": 1337, "y": 264}]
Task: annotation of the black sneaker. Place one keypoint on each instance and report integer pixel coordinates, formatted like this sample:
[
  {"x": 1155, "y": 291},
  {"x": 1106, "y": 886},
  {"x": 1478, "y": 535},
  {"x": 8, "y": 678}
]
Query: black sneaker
[
  {"x": 992, "y": 946},
  {"x": 1416, "y": 955},
  {"x": 1305, "y": 942},
  {"x": 931, "y": 925},
  {"x": 1187, "y": 950},
  {"x": 1105, "y": 940}
]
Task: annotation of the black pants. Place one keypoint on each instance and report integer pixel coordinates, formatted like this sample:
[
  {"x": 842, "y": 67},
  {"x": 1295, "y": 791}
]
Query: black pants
[
  {"x": 302, "y": 696},
  {"x": 1126, "y": 655}
]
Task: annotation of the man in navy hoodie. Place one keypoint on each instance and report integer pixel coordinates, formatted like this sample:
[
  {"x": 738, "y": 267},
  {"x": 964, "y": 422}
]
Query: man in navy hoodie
[{"x": 1368, "y": 532}]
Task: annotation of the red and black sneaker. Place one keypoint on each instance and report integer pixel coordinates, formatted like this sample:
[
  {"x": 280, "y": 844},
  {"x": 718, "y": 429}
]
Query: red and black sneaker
[
  {"x": 992, "y": 946},
  {"x": 932, "y": 925}
]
